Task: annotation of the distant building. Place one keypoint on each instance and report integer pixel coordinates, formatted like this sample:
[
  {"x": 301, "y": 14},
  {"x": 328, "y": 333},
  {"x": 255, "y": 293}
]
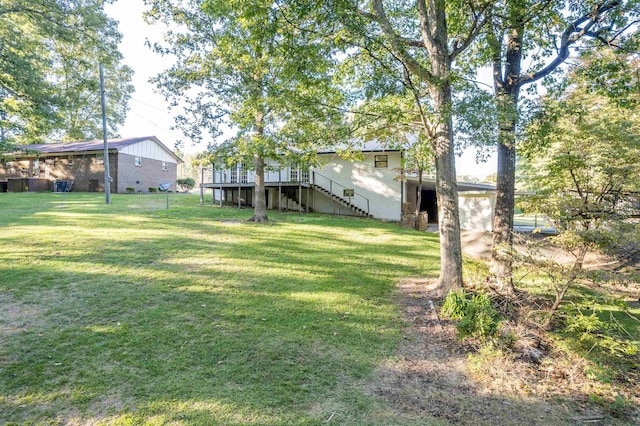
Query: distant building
[{"x": 135, "y": 164}]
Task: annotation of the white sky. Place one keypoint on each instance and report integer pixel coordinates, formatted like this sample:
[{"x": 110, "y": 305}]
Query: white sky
[{"x": 149, "y": 113}]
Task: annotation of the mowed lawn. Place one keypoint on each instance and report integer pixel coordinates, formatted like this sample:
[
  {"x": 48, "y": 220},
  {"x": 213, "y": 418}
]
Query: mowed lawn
[{"x": 133, "y": 314}]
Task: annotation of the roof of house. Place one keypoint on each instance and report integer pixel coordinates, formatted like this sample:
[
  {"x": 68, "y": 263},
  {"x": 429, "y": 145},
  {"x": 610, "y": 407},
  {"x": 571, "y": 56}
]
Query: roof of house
[
  {"x": 429, "y": 182},
  {"x": 94, "y": 145},
  {"x": 368, "y": 146}
]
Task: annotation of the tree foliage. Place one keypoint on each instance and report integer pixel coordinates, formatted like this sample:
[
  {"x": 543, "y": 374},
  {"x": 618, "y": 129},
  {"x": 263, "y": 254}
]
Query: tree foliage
[
  {"x": 526, "y": 41},
  {"x": 586, "y": 179},
  {"x": 49, "y": 72},
  {"x": 246, "y": 67}
]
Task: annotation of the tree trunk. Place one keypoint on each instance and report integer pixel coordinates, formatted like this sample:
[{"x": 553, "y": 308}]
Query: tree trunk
[
  {"x": 433, "y": 28},
  {"x": 259, "y": 198},
  {"x": 436, "y": 38},
  {"x": 259, "y": 194},
  {"x": 507, "y": 91},
  {"x": 501, "y": 259},
  {"x": 447, "y": 193}
]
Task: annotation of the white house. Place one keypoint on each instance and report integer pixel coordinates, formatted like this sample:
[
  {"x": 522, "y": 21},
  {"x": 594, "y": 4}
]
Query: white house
[{"x": 370, "y": 186}]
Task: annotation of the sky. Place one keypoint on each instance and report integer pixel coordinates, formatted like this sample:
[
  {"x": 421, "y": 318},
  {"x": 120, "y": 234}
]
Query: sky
[{"x": 149, "y": 113}]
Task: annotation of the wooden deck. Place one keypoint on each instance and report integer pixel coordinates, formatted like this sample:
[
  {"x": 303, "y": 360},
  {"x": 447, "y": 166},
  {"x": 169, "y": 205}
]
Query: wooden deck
[{"x": 229, "y": 185}]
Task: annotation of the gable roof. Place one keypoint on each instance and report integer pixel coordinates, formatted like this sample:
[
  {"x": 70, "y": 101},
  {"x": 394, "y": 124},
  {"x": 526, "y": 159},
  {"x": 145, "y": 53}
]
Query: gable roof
[{"x": 94, "y": 145}]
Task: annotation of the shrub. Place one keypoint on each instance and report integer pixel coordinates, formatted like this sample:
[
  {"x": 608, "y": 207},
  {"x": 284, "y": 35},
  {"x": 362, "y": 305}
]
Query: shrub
[
  {"x": 152, "y": 189},
  {"x": 475, "y": 312},
  {"x": 130, "y": 189},
  {"x": 186, "y": 184}
]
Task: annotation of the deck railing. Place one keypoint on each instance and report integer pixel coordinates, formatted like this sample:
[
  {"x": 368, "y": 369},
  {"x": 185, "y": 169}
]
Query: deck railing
[
  {"x": 348, "y": 194},
  {"x": 292, "y": 175}
]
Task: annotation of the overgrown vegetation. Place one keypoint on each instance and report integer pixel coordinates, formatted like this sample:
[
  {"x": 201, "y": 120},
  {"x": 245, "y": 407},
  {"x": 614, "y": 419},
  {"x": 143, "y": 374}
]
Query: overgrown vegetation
[{"x": 475, "y": 312}]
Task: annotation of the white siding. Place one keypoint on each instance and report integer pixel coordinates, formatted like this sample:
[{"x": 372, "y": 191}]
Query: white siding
[
  {"x": 149, "y": 149},
  {"x": 476, "y": 211},
  {"x": 378, "y": 185}
]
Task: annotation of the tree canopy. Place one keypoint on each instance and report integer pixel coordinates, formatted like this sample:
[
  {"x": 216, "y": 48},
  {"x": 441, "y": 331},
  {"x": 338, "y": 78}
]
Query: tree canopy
[
  {"x": 246, "y": 67},
  {"x": 526, "y": 41},
  {"x": 49, "y": 70}
]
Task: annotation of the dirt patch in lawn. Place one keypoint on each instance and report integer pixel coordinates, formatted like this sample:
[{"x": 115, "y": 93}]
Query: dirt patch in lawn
[{"x": 433, "y": 376}]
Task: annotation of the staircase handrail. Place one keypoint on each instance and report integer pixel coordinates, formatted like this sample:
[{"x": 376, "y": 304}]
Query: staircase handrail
[{"x": 331, "y": 182}]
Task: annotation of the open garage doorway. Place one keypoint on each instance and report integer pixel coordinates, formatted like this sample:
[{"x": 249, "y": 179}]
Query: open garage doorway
[{"x": 429, "y": 204}]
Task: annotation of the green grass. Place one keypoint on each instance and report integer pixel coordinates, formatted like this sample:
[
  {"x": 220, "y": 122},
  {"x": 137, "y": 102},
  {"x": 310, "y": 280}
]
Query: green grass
[{"x": 133, "y": 314}]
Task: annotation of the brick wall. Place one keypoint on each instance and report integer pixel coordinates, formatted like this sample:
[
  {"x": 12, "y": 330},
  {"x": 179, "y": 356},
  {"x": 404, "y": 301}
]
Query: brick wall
[
  {"x": 85, "y": 171},
  {"x": 148, "y": 175}
]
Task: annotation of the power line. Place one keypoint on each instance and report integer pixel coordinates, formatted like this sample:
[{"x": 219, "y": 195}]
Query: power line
[{"x": 149, "y": 105}]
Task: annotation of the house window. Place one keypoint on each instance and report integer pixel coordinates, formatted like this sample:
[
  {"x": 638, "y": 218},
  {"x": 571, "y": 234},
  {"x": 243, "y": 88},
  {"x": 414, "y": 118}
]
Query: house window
[
  {"x": 244, "y": 176},
  {"x": 381, "y": 161},
  {"x": 138, "y": 161},
  {"x": 99, "y": 158},
  {"x": 305, "y": 175},
  {"x": 293, "y": 175},
  {"x": 164, "y": 165},
  {"x": 348, "y": 193}
]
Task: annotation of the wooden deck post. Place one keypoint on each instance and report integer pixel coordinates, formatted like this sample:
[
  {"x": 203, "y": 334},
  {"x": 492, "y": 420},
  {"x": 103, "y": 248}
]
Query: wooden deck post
[
  {"x": 201, "y": 187},
  {"x": 279, "y": 190}
]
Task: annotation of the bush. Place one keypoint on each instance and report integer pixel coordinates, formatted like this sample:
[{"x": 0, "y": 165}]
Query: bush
[
  {"x": 151, "y": 189},
  {"x": 475, "y": 312},
  {"x": 186, "y": 184},
  {"x": 130, "y": 189}
]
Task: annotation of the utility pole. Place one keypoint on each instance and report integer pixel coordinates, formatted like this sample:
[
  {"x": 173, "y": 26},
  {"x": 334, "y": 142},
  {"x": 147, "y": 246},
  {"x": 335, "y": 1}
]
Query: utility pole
[{"x": 107, "y": 177}]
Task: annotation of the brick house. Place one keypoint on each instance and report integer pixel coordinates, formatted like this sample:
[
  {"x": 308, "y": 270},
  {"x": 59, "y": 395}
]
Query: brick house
[{"x": 138, "y": 163}]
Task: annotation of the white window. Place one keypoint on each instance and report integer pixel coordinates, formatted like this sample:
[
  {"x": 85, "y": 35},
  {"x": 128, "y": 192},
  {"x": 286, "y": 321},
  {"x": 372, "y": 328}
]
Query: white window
[
  {"x": 244, "y": 176},
  {"x": 138, "y": 161},
  {"x": 164, "y": 165}
]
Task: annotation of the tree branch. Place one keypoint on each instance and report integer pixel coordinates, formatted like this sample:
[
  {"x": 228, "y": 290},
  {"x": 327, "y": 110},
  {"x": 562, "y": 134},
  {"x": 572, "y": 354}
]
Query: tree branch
[
  {"x": 571, "y": 35},
  {"x": 397, "y": 42}
]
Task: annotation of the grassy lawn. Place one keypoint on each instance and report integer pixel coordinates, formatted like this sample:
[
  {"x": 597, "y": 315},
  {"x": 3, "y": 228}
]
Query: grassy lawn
[{"x": 133, "y": 314}]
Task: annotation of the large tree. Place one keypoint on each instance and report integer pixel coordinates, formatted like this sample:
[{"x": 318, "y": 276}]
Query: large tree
[
  {"x": 243, "y": 66},
  {"x": 526, "y": 42},
  {"x": 425, "y": 38},
  {"x": 48, "y": 67}
]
